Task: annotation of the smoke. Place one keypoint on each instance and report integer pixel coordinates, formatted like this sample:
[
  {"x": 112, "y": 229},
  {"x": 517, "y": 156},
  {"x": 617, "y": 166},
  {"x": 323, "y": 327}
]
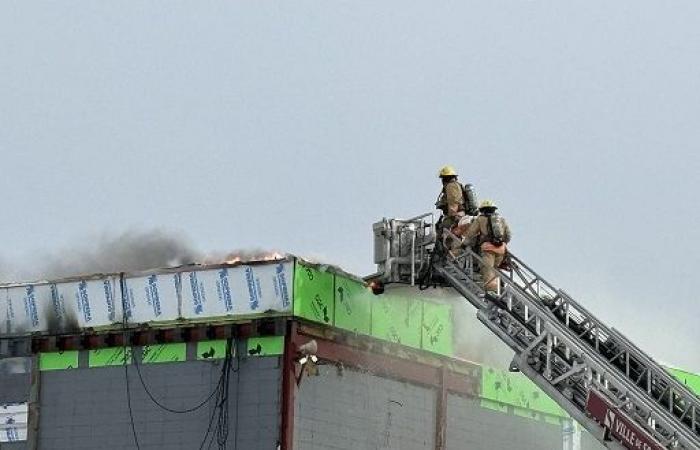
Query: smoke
[
  {"x": 475, "y": 342},
  {"x": 472, "y": 340},
  {"x": 130, "y": 251},
  {"x": 126, "y": 252}
]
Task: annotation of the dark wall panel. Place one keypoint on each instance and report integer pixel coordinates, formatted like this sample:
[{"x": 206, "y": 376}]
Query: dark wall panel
[
  {"x": 87, "y": 408},
  {"x": 345, "y": 409}
]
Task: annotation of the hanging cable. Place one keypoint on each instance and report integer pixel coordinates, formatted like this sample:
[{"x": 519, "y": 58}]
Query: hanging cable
[
  {"x": 172, "y": 410},
  {"x": 220, "y": 411}
]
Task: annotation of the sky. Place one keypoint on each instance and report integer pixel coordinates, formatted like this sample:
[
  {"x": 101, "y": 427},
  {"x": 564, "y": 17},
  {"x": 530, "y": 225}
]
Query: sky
[{"x": 295, "y": 125}]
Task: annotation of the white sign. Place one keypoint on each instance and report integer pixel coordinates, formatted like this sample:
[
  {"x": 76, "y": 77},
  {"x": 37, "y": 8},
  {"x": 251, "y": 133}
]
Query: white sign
[
  {"x": 247, "y": 289},
  {"x": 13, "y": 422},
  {"x": 27, "y": 308},
  {"x": 66, "y": 306},
  {"x": 152, "y": 298},
  {"x": 86, "y": 303}
]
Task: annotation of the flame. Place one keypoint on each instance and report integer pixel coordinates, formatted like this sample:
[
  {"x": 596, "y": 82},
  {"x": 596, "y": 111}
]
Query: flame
[
  {"x": 236, "y": 257},
  {"x": 234, "y": 260},
  {"x": 274, "y": 256}
]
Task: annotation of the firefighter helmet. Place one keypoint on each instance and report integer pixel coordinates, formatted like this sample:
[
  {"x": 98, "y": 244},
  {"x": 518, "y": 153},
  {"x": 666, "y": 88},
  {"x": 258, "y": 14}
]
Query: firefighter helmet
[
  {"x": 447, "y": 171},
  {"x": 487, "y": 204}
]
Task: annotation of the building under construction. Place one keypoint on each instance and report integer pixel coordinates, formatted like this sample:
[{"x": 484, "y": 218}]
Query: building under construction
[{"x": 281, "y": 354}]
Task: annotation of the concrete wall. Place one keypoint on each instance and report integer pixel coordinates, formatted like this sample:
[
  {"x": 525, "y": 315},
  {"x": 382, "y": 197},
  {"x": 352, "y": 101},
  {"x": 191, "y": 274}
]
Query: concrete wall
[
  {"x": 469, "y": 426},
  {"x": 472, "y": 427},
  {"x": 86, "y": 408},
  {"x": 345, "y": 409}
]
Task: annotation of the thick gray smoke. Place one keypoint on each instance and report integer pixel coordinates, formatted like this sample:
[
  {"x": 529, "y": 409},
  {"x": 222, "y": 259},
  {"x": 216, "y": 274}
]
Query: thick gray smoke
[{"x": 129, "y": 251}]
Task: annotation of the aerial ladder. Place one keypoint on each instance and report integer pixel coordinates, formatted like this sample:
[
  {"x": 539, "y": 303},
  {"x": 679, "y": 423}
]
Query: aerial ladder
[{"x": 611, "y": 387}]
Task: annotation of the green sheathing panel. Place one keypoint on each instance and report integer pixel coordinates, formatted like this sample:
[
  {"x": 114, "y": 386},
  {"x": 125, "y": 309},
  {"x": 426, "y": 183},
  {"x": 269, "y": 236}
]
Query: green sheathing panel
[
  {"x": 689, "y": 379},
  {"x": 58, "y": 360},
  {"x": 164, "y": 353},
  {"x": 211, "y": 349},
  {"x": 266, "y": 346},
  {"x": 313, "y": 294},
  {"x": 495, "y": 406},
  {"x": 112, "y": 356},
  {"x": 437, "y": 328},
  {"x": 397, "y": 319},
  {"x": 353, "y": 305},
  {"x": 553, "y": 420},
  {"x": 339, "y": 301},
  {"x": 516, "y": 390}
]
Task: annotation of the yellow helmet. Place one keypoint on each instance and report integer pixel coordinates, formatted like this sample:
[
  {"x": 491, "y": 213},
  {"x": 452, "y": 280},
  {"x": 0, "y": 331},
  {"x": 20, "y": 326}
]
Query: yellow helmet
[
  {"x": 487, "y": 204},
  {"x": 447, "y": 171}
]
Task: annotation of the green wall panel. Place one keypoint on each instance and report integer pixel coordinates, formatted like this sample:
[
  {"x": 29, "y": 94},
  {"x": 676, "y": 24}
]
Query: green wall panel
[
  {"x": 516, "y": 390},
  {"x": 553, "y": 420},
  {"x": 526, "y": 413},
  {"x": 314, "y": 297},
  {"x": 211, "y": 349},
  {"x": 266, "y": 346},
  {"x": 495, "y": 406},
  {"x": 437, "y": 328},
  {"x": 689, "y": 379},
  {"x": 397, "y": 319},
  {"x": 353, "y": 305},
  {"x": 58, "y": 360},
  {"x": 105, "y": 357},
  {"x": 163, "y": 353}
]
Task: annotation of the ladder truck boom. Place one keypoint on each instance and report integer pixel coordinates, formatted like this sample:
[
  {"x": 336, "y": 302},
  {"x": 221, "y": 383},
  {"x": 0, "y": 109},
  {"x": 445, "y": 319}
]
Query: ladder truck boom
[{"x": 605, "y": 382}]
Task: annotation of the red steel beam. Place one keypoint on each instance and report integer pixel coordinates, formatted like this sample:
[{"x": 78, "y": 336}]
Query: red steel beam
[
  {"x": 441, "y": 413},
  {"x": 289, "y": 387},
  {"x": 387, "y": 365}
]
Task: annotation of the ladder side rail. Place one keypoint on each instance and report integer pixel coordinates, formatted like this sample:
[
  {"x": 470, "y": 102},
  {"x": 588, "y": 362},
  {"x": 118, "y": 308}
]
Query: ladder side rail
[
  {"x": 647, "y": 411},
  {"x": 607, "y": 379},
  {"x": 599, "y": 326},
  {"x": 644, "y": 359},
  {"x": 680, "y": 387},
  {"x": 654, "y": 369},
  {"x": 577, "y": 313},
  {"x": 576, "y": 410},
  {"x": 603, "y": 365},
  {"x": 688, "y": 407},
  {"x": 603, "y": 334},
  {"x": 531, "y": 342},
  {"x": 647, "y": 415},
  {"x": 522, "y": 264},
  {"x": 459, "y": 285}
]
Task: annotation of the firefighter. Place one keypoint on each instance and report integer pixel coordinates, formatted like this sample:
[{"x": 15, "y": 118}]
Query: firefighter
[
  {"x": 451, "y": 200},
  {"x": 490, "y": 232}
]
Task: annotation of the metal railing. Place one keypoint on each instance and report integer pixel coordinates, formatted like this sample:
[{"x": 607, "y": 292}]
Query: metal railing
[{"x": 569, "y": 352}]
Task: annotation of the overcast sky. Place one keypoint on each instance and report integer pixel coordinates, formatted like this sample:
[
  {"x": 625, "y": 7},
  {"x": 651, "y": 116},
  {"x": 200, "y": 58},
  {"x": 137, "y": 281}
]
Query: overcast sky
[{"x": 295, "y": 125}]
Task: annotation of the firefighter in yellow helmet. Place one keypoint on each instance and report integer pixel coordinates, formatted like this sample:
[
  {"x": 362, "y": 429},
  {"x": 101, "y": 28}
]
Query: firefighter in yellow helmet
[
  {"x": 490, "y": 232},
  {"x": 451, "y": 199},
  {"x": 455, "y": 201}
]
